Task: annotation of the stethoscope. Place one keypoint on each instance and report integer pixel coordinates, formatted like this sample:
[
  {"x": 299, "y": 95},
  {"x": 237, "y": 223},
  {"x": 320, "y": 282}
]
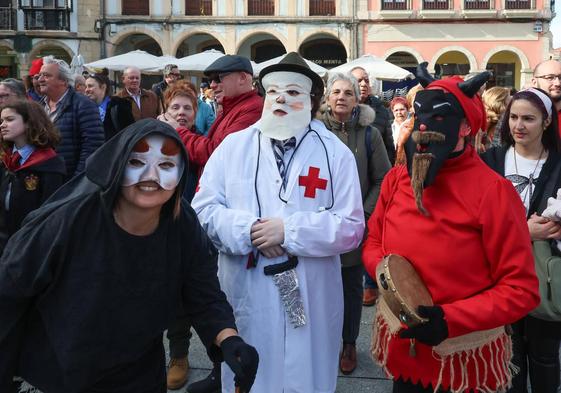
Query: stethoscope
[{"x": 283, "y": 184}]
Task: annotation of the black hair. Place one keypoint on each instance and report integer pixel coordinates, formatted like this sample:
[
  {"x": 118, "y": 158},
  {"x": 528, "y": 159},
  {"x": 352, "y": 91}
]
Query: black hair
[{"x": 550, "y": 137}]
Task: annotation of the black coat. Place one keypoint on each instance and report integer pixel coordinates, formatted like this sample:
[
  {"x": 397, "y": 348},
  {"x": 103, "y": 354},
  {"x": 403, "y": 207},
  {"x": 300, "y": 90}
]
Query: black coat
[
  {"x": 118, "y": 116},
  {"x": 29, "y": 188},
  {"x": 495, "y": 159},
  {"x": 83, "y": 304},
  {"x": 384, "y": 125}
]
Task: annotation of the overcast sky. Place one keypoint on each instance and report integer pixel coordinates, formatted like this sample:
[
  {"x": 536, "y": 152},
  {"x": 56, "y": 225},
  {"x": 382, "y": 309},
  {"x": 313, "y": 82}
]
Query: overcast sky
[{"x": 556, "y": 25}]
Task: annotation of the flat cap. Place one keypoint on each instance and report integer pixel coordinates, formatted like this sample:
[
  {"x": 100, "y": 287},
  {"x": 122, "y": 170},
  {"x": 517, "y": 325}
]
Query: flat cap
[{"x": 229, "y": 63}]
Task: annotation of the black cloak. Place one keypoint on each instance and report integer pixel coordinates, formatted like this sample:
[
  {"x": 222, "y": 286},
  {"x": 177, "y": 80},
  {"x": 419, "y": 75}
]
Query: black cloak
[{"x": 83, "y": 303}]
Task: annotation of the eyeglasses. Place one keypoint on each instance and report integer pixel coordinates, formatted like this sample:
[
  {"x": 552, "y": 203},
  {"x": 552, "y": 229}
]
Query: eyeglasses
[
  {"x": 550, "y": 77},
  {"x": 176, "y": 75},
  {"x": 218, "y": 78}
]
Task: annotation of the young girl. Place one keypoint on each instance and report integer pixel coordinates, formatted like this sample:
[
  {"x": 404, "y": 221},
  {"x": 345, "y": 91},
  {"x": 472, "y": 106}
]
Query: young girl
[{"x": 31, "y": 169}]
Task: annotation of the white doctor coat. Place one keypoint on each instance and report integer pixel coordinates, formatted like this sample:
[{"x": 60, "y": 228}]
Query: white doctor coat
[{"x": 303, "y": 359}]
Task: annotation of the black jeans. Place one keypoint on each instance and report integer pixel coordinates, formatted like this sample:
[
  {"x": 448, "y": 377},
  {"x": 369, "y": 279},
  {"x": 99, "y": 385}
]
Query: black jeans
[
  {"x": 536, "y": 352},
  {"x": 352, "y": 297},
  {"x": 179, "y": 334}
]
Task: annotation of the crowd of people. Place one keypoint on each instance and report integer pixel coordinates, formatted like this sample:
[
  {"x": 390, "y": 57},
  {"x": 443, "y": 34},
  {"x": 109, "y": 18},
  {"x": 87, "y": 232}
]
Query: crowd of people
[{"x": 261, "y": 214}]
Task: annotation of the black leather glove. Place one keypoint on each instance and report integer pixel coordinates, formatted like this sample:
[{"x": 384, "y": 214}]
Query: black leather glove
[
  {"x": 432, "y": 332},
  {"x": 242, "y": 359}
]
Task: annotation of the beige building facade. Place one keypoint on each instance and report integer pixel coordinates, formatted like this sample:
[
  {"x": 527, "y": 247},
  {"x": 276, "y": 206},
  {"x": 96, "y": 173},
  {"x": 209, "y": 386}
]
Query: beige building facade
[{"x": 454, "y": 36}]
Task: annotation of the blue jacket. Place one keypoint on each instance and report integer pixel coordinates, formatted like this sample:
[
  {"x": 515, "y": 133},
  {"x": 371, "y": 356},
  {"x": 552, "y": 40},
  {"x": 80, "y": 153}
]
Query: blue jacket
[
  {"x": 205, "y": 117},
  {"x": 80, "y": 129}
]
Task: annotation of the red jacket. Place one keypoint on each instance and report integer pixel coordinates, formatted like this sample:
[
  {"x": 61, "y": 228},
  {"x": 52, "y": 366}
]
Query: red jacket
[
  {"x": 473, "y": 253},
  {"x": 238, "y": 113}
]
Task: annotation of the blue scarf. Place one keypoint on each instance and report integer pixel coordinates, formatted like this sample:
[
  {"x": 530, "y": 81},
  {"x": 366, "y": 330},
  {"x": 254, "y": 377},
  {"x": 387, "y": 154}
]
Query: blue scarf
[{"x": 103, "y": 108}]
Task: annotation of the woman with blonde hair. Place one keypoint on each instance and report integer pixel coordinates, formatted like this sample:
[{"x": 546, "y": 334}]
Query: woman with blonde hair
[{"x": 495, "y": 101}]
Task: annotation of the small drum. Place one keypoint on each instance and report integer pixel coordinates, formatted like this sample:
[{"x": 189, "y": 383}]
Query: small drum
[{"x": 402, "y": 289}]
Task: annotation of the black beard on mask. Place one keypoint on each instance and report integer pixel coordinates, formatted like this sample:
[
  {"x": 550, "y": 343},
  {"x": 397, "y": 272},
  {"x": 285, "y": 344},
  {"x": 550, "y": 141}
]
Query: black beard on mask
[{"x": 426, "y": 150}]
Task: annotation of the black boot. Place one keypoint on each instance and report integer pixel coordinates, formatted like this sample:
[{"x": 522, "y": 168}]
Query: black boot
[{"x": 211, "y": 384}]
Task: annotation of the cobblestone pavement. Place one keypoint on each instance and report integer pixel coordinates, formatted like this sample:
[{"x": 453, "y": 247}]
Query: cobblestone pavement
[{"x": 366, "y": 378}]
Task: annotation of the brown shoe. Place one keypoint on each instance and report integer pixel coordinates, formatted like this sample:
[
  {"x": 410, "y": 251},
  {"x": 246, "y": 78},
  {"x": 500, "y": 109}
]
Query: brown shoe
[
  {"x": 177, "y": 373},
  {"x": 347, "y": 362},
  {"x": 369, "y": 296}
]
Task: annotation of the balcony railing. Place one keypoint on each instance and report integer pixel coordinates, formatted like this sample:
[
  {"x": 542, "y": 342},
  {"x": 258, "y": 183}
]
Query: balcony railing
[
  {"x": 198, "y": 7},
  {"x": 322, "y": 7},
  {"x": 477, "y": 5},
  {"x": 436, "y": 5},
  {"x": 7, "y": 18},
  {"x": 394, "y": 5},
  {"x": 260, "y": 7},
  {"x": 518, "y": 4},
  {"x": 46, "y": 19}
]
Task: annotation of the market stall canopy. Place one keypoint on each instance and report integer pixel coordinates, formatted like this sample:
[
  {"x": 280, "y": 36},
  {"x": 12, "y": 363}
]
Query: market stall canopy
[
  {"x": 199, "y": 61},
  {"x": 137, "y": 58},
  {"x": 315, "y": 67},
  {"x": 376, "y": 68}
]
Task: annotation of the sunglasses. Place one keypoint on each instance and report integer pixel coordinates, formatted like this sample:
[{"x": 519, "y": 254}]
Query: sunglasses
[{"x": 218, "y": 78}]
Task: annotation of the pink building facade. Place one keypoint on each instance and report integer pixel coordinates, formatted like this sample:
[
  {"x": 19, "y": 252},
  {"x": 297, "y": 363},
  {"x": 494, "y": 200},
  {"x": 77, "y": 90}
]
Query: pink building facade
[{"x": 457, "y": 37}]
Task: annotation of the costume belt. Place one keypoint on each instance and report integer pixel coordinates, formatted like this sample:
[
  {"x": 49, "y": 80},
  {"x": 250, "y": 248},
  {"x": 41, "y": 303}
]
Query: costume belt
[{"x": 285, "y": 278}]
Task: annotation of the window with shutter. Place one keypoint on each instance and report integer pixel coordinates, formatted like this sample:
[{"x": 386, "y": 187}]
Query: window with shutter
[{"x": 135, "y": 7}]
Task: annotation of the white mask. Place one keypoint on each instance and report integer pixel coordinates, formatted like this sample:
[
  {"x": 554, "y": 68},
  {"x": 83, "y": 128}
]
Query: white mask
[
  {"x": 288, "y": 93},
  {"x": 157, "y": 159}
]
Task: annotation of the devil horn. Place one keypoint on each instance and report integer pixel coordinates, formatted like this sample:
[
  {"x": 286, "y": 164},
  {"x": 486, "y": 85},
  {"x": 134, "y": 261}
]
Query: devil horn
[
  {"x": 423, "y": 75},
  {"x": 472, "y": 85}
]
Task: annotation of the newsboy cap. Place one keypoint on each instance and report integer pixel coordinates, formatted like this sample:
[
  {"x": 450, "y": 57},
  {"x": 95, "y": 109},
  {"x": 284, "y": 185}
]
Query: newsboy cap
[{"x": 229, "y": 63}]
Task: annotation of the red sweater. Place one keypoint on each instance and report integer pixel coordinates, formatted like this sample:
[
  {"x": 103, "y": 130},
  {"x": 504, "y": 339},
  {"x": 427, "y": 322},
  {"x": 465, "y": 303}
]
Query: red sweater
[
  {"x": 473, "y": 253},
  {"x": 238, "y": 113}
]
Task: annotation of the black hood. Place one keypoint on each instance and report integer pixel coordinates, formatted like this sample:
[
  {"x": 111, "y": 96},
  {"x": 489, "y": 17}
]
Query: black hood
[{"x": 105, "y": 167}]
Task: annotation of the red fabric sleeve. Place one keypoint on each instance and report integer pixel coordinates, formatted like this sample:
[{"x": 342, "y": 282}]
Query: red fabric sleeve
[
  {"x": 201, "y": 147},
  {"x": 373, "y": 251},
  {"x": 507, "y": 245}
]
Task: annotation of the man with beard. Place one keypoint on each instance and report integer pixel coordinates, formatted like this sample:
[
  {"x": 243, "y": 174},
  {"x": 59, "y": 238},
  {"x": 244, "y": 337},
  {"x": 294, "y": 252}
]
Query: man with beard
[
  {"x": 547, "y": 76},
  {"x": 463, "y": 229},
  {"x": 281, "y": 200}
]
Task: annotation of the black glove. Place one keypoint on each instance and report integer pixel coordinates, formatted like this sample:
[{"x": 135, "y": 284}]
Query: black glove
[
  {"x": 242, "y": 359},
  {"x": 432, "y": 332}
]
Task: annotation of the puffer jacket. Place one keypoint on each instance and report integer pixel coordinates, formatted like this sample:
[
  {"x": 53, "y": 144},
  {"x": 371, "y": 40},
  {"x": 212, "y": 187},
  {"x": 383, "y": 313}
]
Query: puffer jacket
[
  {"x": 80, "y": 129},
  {"x": 371, "y": 171}
]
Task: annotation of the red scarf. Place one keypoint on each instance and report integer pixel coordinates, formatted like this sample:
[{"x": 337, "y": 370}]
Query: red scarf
[{"x": 38, "y": 156}]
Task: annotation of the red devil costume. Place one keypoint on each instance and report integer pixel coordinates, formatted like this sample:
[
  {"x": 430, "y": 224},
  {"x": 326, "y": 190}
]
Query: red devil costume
[{"x": 466, "y": 235}]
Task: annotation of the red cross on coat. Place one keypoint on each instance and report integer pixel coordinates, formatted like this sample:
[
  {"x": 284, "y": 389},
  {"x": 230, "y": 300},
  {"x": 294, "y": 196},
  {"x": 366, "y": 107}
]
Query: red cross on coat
[{"x": 312, "y": 182}]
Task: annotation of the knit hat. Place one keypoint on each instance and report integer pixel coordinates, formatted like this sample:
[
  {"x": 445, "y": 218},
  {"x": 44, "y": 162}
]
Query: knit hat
[
  {"x": 35, "y": 67},
  {"x": 472, "y": 106}
]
